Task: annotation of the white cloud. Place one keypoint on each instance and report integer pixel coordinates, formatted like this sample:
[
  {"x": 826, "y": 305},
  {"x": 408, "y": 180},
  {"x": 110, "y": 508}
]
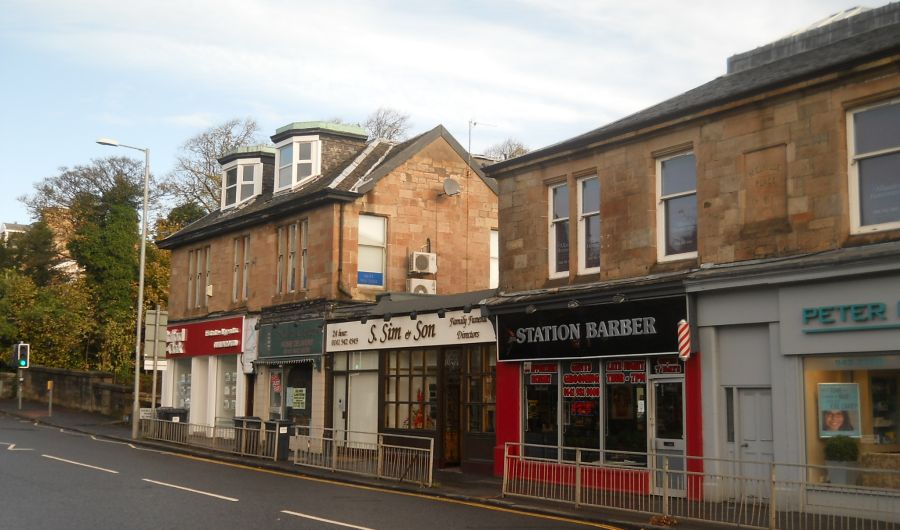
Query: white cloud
[{"x": 540, "y": 70}]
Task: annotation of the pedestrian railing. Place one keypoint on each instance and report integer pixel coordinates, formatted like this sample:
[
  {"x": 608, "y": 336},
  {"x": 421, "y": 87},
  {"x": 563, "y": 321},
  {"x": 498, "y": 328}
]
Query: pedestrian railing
[
  {"x": 399, "y": 457},
  {"x": 744, "y": 494},
  {"x": 247, "y": 441}
]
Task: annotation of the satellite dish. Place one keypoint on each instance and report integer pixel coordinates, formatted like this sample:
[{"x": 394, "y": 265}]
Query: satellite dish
[{"x": 451, "y": 187}]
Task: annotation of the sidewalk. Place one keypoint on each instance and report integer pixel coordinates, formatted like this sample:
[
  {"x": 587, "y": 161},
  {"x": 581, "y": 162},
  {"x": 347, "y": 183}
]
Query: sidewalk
[{"x": 449, "y": 484}]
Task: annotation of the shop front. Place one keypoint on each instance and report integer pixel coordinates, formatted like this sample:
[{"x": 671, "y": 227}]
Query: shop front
[
  {"x": 846, "y": 336},
  {"x": 604, "y": 381},
  {"x": 206, "y": 371},
  {"x": 796, "y": 354},
  {"x": 429, "y": 374},
  {"x": 290, "y": 382}
]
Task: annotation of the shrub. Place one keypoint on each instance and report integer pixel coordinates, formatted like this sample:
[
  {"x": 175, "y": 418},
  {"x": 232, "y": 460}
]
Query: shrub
[{"x": 842, "y": 449}]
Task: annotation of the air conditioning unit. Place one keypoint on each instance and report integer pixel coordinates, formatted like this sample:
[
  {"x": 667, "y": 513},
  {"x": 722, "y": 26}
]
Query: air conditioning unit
[
  {"x": 418, "y": 286},
  {"x": 423, "y": 262}
]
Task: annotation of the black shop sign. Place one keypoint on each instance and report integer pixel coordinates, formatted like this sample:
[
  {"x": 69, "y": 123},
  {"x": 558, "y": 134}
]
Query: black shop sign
[{"x": 629, "y": 328}]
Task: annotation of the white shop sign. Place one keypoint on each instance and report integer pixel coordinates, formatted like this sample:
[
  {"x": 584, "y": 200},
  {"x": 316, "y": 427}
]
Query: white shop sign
[{"x": 457, "y": 327}]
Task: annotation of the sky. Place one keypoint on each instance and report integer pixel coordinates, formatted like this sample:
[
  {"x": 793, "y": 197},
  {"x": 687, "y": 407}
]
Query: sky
[{"x": 152, "y": 74}]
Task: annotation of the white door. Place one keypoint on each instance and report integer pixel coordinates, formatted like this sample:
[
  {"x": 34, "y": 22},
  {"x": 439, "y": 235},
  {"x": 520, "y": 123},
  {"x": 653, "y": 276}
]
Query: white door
[
  {"x": 667, "y": 436},
  {"x": 754, "y": 437},
  {"x": 362, "y": 407}
]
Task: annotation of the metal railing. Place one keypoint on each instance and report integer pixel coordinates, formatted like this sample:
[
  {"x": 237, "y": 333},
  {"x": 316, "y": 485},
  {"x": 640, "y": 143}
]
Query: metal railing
[
  {"x": 384, "y": 456},
  {"x": 398, "y": 457},
  {"x": 746, "y": 494},
  {"x": 247, "y": 441}
]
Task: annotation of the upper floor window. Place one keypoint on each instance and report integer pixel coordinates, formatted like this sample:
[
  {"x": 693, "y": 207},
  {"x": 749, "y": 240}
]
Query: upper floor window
[
  {"x": 198, "y": 277},
  {"x": 372, "y": 246},
  {"x": 589, "y": 225},
  {"x": 304, "y": 247},
  {"x": 494, "y": 280},
  {"x": 241, "y": 181},
  {"x": 677, "y": 207},
  {"x": 241, "y": 271},
  {"x": 297, "y": 160},
  {"x": 559, "y": 230},
  {"x": 874, "y": 145},
  {"x": 291, "y": 259}
]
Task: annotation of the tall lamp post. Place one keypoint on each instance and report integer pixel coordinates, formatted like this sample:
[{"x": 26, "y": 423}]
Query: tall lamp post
[{"x": 135, "y": 408}]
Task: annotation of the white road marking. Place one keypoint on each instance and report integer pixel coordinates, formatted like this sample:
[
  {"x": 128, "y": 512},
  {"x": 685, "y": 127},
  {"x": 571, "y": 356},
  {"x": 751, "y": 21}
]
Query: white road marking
[
  {"x": 12, "y": 447},
  {"x": 80, "y": 464},
  {"x": 93, "y": 437},
  {"x": 329, "y": 521},
  {"x": 191, "y": 490}
]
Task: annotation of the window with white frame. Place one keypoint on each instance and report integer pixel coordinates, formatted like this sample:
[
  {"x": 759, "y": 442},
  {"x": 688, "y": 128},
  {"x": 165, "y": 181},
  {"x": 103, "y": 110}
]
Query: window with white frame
[
  {"x": 372, "y": 245},
  {"x": 495, "y": 260},
  {"x": 874, "y": 147},
  {"x": 589, "y": 225},
  {"x": 677, "y": 207},
  {"x": 241, "y": 181},
  {"x": 298, "y": 159},
  {"x": 559, "y": 230}
]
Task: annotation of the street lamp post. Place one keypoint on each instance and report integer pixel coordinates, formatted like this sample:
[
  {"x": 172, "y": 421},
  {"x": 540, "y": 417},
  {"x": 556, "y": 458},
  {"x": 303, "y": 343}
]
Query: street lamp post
[{"x": 135, "y": 408}]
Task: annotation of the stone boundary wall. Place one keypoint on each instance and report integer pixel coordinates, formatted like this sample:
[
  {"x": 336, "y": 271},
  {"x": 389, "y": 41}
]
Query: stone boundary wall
[{"x": 82, "y": 390}]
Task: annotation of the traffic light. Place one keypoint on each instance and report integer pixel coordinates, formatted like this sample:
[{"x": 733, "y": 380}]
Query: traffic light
[{"x": 22, "y": 351}]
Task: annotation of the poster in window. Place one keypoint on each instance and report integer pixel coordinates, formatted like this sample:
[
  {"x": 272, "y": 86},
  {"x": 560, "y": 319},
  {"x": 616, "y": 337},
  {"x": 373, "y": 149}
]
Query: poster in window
[{"x": 838, "y": 412}]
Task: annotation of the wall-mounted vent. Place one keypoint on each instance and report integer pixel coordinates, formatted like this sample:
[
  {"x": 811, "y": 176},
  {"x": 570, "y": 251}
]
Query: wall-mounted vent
[
  {"x": 423, "y": 262},
  {"x": 419, "y": 286}
]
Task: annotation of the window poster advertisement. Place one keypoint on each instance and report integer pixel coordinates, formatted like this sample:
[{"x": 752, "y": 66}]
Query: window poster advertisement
[{"x": 838, "y": 409}]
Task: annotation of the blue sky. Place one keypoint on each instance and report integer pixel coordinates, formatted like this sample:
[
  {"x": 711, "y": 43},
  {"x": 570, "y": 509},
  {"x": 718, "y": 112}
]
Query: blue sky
[{"x": 154, "y": 73}]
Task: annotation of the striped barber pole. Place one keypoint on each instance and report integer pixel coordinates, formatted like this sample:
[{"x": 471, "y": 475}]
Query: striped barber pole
[{"x": 684, "y": 340}]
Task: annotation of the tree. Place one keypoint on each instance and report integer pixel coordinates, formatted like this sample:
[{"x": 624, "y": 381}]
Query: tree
[
  {"x": 197, "y": 176},
  {"x": 509, "y": 148},
  {"x": 105, "y": 244},
  {"x": 35, "y": 254},
  {"x": 387, "y": 124},
  {"x": 56, "y": 194}
]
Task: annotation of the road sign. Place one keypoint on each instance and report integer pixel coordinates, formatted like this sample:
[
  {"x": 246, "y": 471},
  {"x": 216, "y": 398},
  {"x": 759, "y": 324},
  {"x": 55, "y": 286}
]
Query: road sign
[{"x": 161, "y": 364}]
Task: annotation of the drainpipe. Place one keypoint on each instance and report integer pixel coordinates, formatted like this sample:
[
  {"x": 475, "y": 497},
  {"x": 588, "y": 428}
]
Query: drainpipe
[{"x": 341, "y": 288}]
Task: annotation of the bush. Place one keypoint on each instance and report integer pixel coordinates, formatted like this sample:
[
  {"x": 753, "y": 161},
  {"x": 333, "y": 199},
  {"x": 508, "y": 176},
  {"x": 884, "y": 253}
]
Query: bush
[{"x": 842, "y": 449}]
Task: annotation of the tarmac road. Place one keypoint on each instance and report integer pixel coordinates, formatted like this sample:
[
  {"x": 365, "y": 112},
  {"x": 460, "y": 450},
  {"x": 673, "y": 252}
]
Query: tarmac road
[{"x": 55, "y": 478}]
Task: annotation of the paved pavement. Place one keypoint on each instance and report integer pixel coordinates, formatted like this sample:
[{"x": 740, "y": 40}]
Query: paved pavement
[{"x": 448, "y": 483}]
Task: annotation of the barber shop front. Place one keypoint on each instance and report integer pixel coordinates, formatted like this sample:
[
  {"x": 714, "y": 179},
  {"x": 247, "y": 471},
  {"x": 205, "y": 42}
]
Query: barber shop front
[{"x": 604, "y": 378}]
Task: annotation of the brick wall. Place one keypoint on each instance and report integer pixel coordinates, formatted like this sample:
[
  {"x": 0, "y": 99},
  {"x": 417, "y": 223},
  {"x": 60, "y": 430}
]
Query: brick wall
[
  {"x": 772, "y": 180},
  {"x": 458, "y": 227}
]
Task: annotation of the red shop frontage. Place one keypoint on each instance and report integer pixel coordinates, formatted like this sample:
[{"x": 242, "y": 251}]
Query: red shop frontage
[{"x": 601, "y": 383}]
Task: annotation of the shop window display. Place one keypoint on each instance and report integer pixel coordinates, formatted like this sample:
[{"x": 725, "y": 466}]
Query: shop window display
[
  {"x": 854, "y": 396},
  {"x": 626, "y": 410},
  {"x": 541, "y": 405},
  {"x": 581, "y": 407},
  {"x": 183, "y": 383},
  {"x": 410, "y": 389},
  {"x": 480, "y": 391},
  {"x": 226, "y": 382}
]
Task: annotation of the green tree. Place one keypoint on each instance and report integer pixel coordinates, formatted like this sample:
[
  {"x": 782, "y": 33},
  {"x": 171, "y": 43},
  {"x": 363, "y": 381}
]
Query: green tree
[{"x": 35, "y": 254}]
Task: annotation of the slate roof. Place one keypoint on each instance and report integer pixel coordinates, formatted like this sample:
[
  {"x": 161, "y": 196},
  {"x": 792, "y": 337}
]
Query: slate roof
[
  {"x": 342, "y": 184},
  {"x": 841, "y": 55}
]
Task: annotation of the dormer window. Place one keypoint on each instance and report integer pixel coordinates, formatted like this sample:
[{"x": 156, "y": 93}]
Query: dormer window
[
  {"x": 298, "y": 159},
  {"x": 241, "y": 180}
]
